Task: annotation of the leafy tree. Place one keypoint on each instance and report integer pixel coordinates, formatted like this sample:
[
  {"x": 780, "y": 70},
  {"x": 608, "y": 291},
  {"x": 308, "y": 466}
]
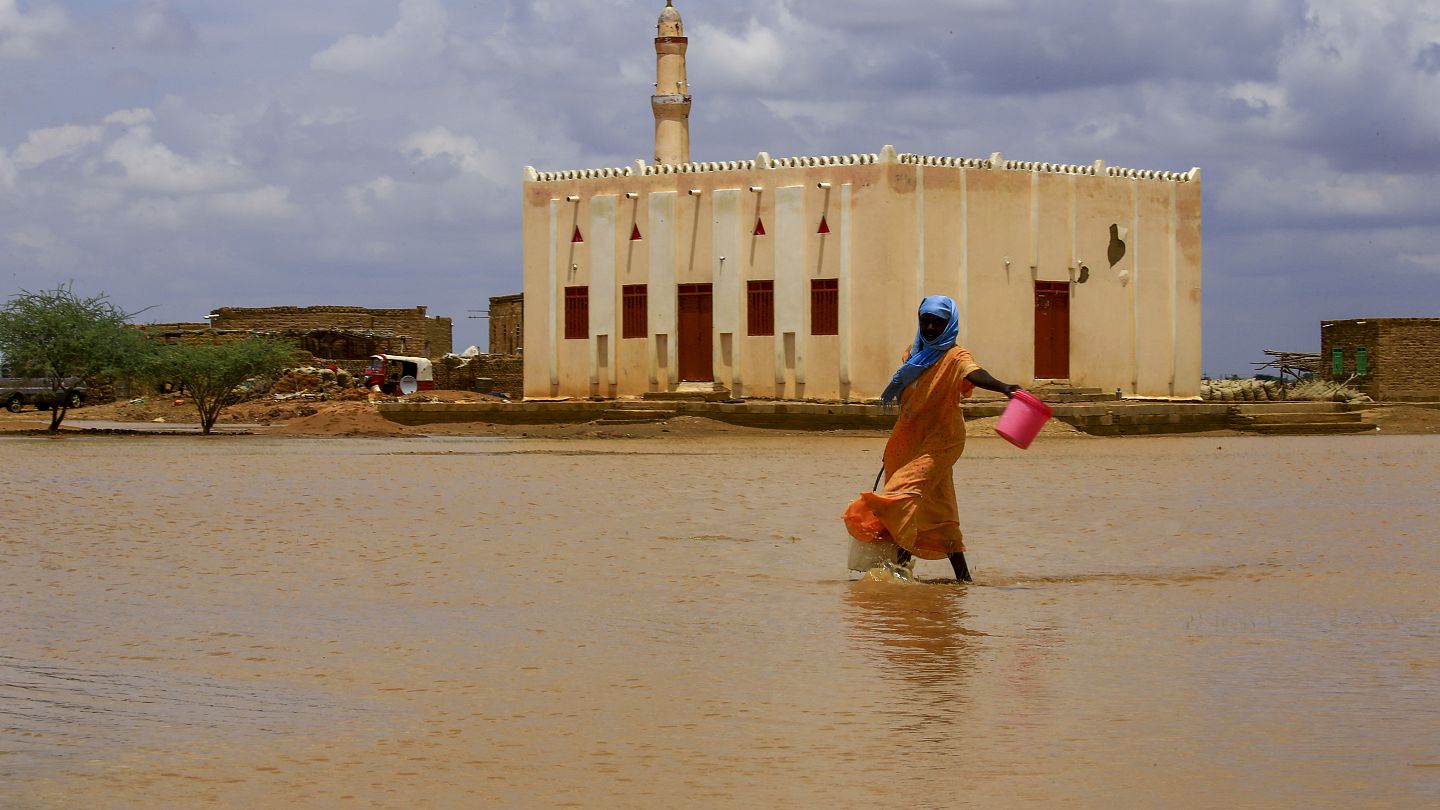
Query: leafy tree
[
  {"x": 214, "y": 375},
  {"x": 67, "y": 338}
]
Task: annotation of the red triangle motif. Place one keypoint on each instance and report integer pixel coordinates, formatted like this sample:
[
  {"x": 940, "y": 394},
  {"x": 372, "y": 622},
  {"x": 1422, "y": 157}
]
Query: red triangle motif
[
  {"x": 635, "y": 233},
  {"x": 577, "y": 237},
  {"x": 759, "y": 227},
  {"x": 824, "y": 226}
]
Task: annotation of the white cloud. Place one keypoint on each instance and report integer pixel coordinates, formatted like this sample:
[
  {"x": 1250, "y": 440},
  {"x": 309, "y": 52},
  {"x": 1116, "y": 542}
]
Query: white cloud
[
  {"x": 129, "y": 118},
  {"x": 158, "y": 25},
  {"x": 40, "y": 245},
  {"x": 330, "y": 116},
  {"x": 7, "y": 171},
  {"x": 823, "y": 115},
  {"x": 1425, "y": 261},
  {"x": 364, "y": 196},
  {"x": 94, "y": 200},
  {"x": 1353, "y": 65},
  {"x": 1258, "y": 96},
  {"x": 1306, "y": 189},
  {"x": 267, "y": 202},
  {"x": 418, "y": 34},
  {"x": 22, "y": 35},
  {"x": 44, "y": 145},
  {"x": 153, "y": 167},
  {"x": 754, "y": 59},
  {"x": 462, "y": 151},
  {"x": 161, "y": 213}
]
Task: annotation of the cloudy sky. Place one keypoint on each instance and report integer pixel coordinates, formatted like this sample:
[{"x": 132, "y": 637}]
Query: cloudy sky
[{"x": 185, "y": 155}]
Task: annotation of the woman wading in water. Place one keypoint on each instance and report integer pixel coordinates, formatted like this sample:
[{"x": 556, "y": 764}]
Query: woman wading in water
[{"x": 916, "y": 509}]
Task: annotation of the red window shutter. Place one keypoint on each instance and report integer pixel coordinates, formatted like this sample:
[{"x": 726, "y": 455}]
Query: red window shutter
[
  {"x": 577, "y": 313},
  {"x": 760, "y": 307},
  {"x": 824, "y": 306},
  {"x": 635, "y": 320}
]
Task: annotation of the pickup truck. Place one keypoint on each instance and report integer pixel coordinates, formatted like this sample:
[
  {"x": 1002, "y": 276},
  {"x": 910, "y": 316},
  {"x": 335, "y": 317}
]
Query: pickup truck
[{"x": 17, "y": 392}]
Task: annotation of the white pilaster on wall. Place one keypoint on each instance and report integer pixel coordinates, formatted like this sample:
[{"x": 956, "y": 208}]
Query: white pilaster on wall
[
  {"x": 662, "y": 290},
  {"x": 726, "y": 277},
  {"x": 1174, "y": 290},
  {"x": 845, "y": 331},
  {"x": 1074, "y": 239},
  {"x": 1134, "y": 251},
  {"x": 1034, "y": 225},
  {"x": 554, "y": 292},
  {"x": 602, "y": 288},
  {"x": 921, "y": 291},
  {"x": 790, "y": 278},
  {"x": 964, "y": 285}
]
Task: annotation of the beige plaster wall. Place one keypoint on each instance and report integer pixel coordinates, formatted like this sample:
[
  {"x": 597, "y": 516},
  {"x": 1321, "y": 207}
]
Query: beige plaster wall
[{"x": 981, "y": 231}]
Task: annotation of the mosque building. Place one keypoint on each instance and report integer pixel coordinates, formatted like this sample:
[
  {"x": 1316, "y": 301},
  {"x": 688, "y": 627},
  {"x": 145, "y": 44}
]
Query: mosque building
[{"x": 799, "y": 277}]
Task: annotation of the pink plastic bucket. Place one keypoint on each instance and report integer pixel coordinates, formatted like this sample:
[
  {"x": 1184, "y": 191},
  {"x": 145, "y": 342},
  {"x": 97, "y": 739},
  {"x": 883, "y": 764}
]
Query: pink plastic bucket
[{"x": 1022, "y": 419}]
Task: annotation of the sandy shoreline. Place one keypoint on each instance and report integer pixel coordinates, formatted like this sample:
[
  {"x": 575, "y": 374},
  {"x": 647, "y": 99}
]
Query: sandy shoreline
[{"x": 354, "y": 417}]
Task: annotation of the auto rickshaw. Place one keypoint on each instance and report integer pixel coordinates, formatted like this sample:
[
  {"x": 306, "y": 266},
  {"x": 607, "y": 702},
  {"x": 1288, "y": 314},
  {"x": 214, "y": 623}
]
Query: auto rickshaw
[{"x": 396, "y": 375}]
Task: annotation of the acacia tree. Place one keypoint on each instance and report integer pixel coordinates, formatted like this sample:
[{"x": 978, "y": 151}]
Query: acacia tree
[
  {"x": 215, "y": 375},
  {"x": 67, "y": 338}
]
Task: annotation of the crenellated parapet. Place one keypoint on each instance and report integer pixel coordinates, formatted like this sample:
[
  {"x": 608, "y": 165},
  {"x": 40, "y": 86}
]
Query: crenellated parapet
[
  {"x": 534, "y": 176},
  {"x": 763, "y": 161},
  {"x": 935, "y": 160}
]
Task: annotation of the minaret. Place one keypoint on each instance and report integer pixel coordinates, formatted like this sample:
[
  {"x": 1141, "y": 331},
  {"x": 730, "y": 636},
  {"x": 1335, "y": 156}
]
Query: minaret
[{"x": 671, "y": 102}]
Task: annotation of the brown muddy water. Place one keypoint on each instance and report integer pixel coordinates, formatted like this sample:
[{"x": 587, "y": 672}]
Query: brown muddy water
[{"x": 247, "y": 622}]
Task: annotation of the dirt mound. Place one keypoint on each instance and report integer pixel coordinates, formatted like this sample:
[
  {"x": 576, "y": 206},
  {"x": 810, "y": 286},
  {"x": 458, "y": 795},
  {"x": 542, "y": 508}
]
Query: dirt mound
[
  {"x": 344, "y": 419},
  {"x": 147, "y": 409},
  {"x": 985, "y": 428},
  {"x": 1404, "y": 419}
]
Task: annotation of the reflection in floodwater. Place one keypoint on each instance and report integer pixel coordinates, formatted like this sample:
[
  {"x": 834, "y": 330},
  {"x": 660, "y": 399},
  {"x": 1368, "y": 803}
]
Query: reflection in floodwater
[{"x": 916, "y": 633}]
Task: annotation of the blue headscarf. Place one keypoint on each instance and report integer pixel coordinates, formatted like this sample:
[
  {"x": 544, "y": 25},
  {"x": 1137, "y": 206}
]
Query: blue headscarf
[{"x": 925, "y": 352}]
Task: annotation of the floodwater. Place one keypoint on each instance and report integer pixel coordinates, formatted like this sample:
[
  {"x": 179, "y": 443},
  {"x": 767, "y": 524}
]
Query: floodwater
[{"x": 252, "y": 622}]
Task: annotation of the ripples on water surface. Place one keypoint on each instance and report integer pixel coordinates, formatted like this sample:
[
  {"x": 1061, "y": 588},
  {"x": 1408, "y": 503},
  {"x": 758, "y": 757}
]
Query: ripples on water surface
[{"x": 1191, "y": 622}]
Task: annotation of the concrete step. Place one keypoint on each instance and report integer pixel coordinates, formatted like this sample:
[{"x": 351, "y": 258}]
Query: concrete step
[
  {"x": 1293, "y": 417},
  {"x": 1309, "y": 428},
  {"x": 633, "y": 416},
  {"x": 691, "y": 392},
  {"x": 1062, "y": 398},
  {"x": 1062, "y": 394},
  {"x": 1287, "y": 407},
  {"x": 643, "y": 405}
]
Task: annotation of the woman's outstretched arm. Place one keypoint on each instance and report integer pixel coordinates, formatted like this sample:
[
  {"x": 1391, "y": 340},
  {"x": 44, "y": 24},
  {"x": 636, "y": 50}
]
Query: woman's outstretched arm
[{"x": 981, "y": 378}]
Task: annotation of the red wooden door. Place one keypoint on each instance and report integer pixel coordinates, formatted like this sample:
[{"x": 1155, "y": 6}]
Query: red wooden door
[
  {"x": 695, "y": 334},
  {"x": 1052, "y": 330}
]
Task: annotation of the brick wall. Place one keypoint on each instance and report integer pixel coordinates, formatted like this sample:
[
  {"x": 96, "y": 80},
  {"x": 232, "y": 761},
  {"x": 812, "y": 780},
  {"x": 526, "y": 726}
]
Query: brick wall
[
  {"x": 408, "y": 330},
  {"x": 320, "y": 344},
  {"x": 439, "y": 336},
  {"x": 507, "y": 324},
  {"x": 1403, "y": 356},
  {"x": 504, "y": 370}
]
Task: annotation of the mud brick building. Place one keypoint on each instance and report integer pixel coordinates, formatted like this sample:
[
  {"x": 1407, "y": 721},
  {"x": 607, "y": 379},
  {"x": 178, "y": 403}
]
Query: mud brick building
[
  {"x": 1390, "y": 359},
  {"x": 507, "y": 324},
  {"x": 486, "y": 373},
  {"x": 345, "y": 333}
]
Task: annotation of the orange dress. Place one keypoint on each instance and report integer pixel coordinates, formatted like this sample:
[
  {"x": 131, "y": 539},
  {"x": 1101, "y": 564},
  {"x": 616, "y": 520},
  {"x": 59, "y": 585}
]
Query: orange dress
[{"x": 916, "y": 509}]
